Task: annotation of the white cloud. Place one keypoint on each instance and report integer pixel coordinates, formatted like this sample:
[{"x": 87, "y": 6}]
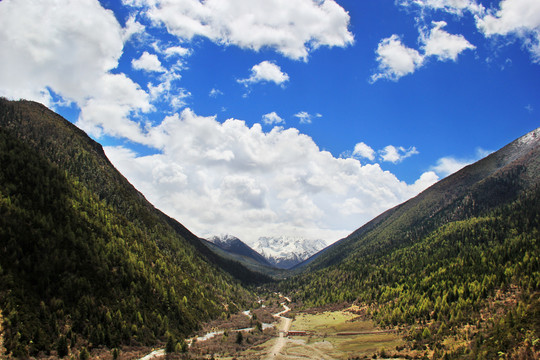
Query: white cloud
[
  {"x": 395, "y": 59},
  {"x": 229, "y": 178},
  {"x": 266, "y": 71},
  {"x": 109, "y": 109},
  {"x": 457, "y": 7},
  {"x": 362, "y": 150},
  {"x": 443, "y": 45},
  {"x": 395, "y": 154},
  {"x": 424, "y": 181},
  {"x": 166, "y": 87},
  {"x": 147, "y": 62},
  {"x": 178, "y": 99},
  {"x": 214, "y": 177},
  {"x": 518, "y": 17},
  {"x": 512, "y": 16},
  {"x": 449, "y": 164},
  {"x": 215, "y": 93},
  {"x": 304, "y": 117},
  {"x": 292, "y": 27},
  {"x": 272, "y": 118},
  {"x": 133, "y": 27},
  {"x": 177, "y": 51},
  {"x": 70, "y": 48}
]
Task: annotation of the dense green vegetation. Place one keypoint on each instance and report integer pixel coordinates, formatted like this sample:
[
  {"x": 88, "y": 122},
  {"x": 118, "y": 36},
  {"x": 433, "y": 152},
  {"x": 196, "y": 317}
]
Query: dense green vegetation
[
  {"x": 437, "y": 260},
  {"x": 448, "y": 270},
  {"x": 446, "y": 279},
  {"x": 84, "y": 259}
]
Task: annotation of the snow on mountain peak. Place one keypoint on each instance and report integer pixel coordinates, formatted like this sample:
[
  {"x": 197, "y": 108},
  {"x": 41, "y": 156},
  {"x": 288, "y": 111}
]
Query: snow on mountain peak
[
  {"x": 223, "y": 239},
  {"x": 287, "y": 251}
]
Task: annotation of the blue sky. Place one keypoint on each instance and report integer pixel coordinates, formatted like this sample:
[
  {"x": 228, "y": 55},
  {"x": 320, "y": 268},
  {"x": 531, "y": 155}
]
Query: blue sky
[{"x": 280, "y": 117}]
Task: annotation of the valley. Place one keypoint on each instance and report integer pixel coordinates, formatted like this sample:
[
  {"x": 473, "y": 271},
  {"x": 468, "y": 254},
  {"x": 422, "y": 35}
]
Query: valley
[
  {"x": 269, "y": 179},
  {"x": 320, "y": 333},
  {"x": 90, "y": 269},
  {"x": 341, "y": 331}
]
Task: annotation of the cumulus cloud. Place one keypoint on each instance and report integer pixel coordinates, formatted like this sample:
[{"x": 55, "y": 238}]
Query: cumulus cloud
[
  {"x": 443, "y": 45},
  {"x": 520, "y": 18},
  {"x": 397, "y": 154},
  {"x": 395, "y": 59},
  {"x": 361, "y": 150},
  {"x": 177, "y": 51},
  {"x": 424, "y": 181},
  {"x": 132, "y": 28},
  {"x": 292, "y": 27},
  {"x": 266, "y": 71},
  {"x": 231, "y": 178},
  {"x": 517, "y": 17},
  {"x": 272, "y": 118},
  {"x": 390, "y": 153},
  {"x": 147, "y": 62},
  {"x": 214, "y": 177},
  {"x": 69, "y": 48},
  {"x": 448, "y": 165}
]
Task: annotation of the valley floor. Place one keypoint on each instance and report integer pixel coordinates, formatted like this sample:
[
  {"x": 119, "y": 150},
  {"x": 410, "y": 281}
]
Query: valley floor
[
  {"x": 277, "y": 330},
  {"x": 337, "y": 334},
  {"x": 321, "y": 334}
]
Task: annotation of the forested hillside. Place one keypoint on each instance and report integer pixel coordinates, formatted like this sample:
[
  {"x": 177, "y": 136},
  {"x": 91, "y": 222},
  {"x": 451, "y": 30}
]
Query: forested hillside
[
  {"x": 85, "y": 260},
  {"x": 438, "y": 259}
]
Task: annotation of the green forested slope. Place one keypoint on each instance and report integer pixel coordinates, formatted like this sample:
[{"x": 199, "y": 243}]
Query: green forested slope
[
  {"x": 448, "y": 270},
  {"x": 437, "y": 258},
  {"x": 84, "y": 259},
  {"x": 493, "y": 181}
]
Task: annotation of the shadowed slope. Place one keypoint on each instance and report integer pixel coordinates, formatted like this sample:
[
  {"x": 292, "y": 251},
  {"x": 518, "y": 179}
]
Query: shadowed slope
[{"x": 84, "y": 258}]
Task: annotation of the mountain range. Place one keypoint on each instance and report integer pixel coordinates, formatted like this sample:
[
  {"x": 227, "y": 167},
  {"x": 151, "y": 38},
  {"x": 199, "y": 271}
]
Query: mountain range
[
  {"x": 272, "y": 254},
  {"x": 285, "y": 252},
  {"x": 234, "y": 245},
  {"x": 86, "y": 261}
]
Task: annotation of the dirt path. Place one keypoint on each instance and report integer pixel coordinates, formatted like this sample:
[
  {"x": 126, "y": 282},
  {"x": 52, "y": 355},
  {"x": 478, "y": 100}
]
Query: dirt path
[
  {"x": 285, "y": 325},
  {"x": 154, "y": 355},
  {"x": 284, "y": 328}
]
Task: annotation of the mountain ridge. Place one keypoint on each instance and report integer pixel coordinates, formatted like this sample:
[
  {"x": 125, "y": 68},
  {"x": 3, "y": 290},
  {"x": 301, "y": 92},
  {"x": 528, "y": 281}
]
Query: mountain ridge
[
  {"x": 87, "y": 261},
  {"x": 442, "y": 261},
  {"x": 235, "y": 245},
  {"x": 472, "y": 179},
  {"x": 445, "y": 261},
  {"x": 285, "y": 252},
  {"x": 85, "y": 256},
  {"x": 111, "y": 184}
]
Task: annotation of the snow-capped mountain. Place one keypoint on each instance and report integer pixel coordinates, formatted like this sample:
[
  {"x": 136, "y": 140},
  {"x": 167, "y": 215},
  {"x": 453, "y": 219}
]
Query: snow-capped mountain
[
  {"x": 234, "y": 245},
  {"x": 285, "y": 252}
]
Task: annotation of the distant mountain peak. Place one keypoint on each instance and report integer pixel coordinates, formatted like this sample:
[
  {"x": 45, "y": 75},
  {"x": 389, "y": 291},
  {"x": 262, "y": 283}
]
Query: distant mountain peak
[
  {"x": 234, "y": 245},
  {"x": 223, "y": 239},
  {"x": 287, "y": 251},
  {"x": 530, "y": 138}
]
